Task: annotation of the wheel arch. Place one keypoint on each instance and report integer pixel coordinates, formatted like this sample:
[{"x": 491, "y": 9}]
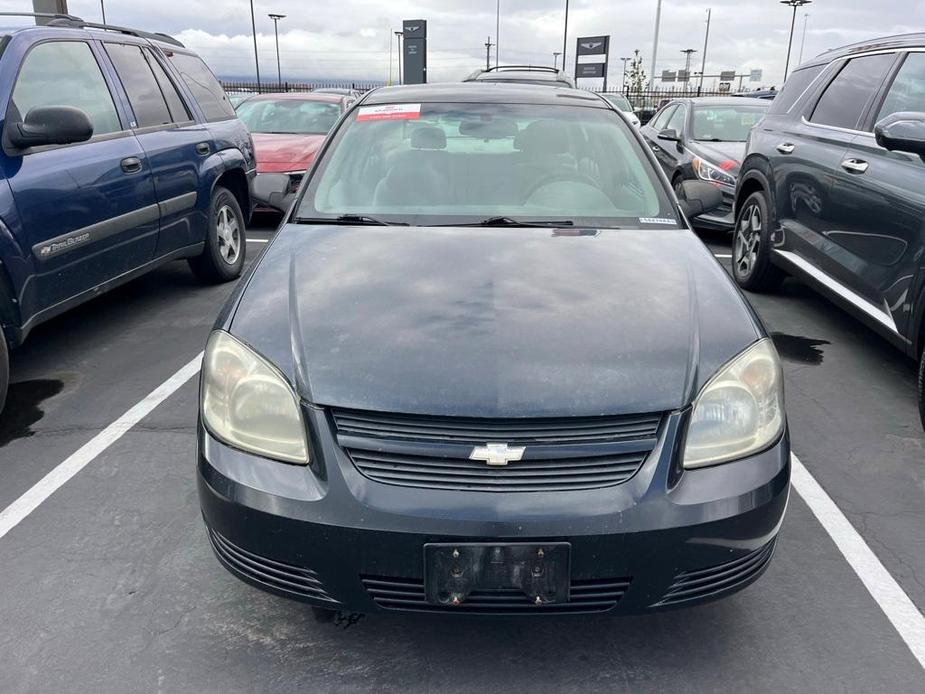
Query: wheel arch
[
  {"x": 756, "y": 177},
  {"x": 235, "y": 180}
]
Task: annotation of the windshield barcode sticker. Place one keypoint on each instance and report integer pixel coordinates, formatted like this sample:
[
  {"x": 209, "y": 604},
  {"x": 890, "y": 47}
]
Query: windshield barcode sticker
[
  {"x": 390, "y": 112},
  {"x": 657, "y": 220}
]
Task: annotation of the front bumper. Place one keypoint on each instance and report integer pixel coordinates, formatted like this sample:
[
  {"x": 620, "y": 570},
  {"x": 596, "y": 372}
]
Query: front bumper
[
  {"x": 722, "y": 218},
  {"x": 336, "y": 539}
]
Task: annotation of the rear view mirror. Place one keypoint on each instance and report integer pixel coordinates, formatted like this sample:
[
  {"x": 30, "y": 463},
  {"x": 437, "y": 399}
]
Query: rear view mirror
[
  {"x": 669, "y": 134},
  {"x": 903, "y": 132},
  {"x": 272, "y": 190},
  {"x": 700, "y": 197},
  {"x": 50, "y": 125}
]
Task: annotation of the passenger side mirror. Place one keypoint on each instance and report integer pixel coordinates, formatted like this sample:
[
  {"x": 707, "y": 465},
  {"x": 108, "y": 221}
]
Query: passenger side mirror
[
  {"x": 669, "y": 134},
  {"x": 272, "y": 190},
  {"x": 903, "y": 132},
  {"x": 700, "y": 197},
  {"x": 50, "y": 125}
]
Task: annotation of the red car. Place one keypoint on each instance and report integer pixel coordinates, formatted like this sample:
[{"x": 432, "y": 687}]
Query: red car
[{"x": 288, "y": 128}]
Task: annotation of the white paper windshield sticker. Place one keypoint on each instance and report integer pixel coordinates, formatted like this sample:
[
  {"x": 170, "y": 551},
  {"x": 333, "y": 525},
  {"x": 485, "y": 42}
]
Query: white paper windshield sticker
[
  {"x": 657, "y": 220},
  {"x": 390, "y": 112}
]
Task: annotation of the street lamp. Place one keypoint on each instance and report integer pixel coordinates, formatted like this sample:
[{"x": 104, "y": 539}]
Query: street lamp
[
  {"x": 803, "y": 42},
  {"x": 794, "y": 4},
  {"x": 276, "y": 18},
  {"x": 565, "y": 39},
  {"x": 555, "y": 58},
  {"x": 625, "y": 61},
  {"x": 398, "y": 36},
  {"x": 103, "y": 10},
  {"x": 254, "y": 32}
]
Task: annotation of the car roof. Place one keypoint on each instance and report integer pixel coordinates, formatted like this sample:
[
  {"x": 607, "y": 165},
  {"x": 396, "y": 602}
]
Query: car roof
[
  {"x": 486, "y": 92},
  {"x": 897, "y": 41},
  {"x": 300, "y": 96},
  {"x": 728, "y": 101},
  {"x": 66, "y": 25}
]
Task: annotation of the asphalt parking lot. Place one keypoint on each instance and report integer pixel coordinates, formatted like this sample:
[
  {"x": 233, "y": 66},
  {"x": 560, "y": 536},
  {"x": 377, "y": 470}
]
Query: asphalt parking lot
[{"x": 109, "y": 584}]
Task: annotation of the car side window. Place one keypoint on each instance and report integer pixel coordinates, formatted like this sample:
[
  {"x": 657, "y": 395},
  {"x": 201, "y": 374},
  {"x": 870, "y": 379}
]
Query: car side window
[
  {"x": 66, "y": 73},
  {"x": 144, "y": 93},
  {"x": 847, "y": 96},
  {"x": 205, "y": 88},
  {"x": 178, "y": 111},
  {"x": 662, "y": 118},
  {"x": 676, "y": 122},
  {"x": 907, "y": 93}
]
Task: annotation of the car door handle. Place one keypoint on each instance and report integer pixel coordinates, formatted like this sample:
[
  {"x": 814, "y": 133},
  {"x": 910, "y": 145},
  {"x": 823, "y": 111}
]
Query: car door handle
[
  {"x": 131, "y": 165},
  {"x": 203, "y": 148},
  {"x": 786, "y": 148},
  {"x": 857, "y": 166}
]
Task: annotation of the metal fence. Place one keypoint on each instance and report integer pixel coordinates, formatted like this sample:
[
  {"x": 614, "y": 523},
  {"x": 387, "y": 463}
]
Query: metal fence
[{"x": 272, "y": 87}]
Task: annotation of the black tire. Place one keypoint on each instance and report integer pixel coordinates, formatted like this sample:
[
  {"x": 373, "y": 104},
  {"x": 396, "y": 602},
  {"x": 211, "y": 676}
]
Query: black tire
[
  {"x": 222, "y": 260},
  {"x": 751, "y": 247},
  {"x": 4, "y": 369},
  {"x": 922, "y": 388}
]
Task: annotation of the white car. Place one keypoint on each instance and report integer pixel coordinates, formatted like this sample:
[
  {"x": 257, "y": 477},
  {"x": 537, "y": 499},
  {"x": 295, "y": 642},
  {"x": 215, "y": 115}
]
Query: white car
[{"x": 621, "y": 103}]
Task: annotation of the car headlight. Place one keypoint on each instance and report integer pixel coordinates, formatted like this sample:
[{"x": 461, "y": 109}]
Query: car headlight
[
  {"x": 248, "y": 404},
  {"x": 740, "y": 410},
  {"x": 712, "y": 172}
]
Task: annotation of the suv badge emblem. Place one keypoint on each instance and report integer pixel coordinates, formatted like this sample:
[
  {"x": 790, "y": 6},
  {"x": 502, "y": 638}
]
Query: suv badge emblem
[{"x": 497, "y": 453}]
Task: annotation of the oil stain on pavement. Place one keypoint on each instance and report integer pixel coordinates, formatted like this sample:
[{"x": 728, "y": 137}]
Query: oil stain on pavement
[
  {"x": 23, "y": 407},
  {"x": 803, "y": 350}
]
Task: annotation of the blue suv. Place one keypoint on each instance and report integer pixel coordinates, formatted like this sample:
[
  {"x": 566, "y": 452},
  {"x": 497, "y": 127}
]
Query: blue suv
[{"x": 120, "y": 152}]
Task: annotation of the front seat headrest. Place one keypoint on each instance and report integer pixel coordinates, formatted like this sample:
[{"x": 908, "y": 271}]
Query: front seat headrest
[{"x": 428, "y": 137}]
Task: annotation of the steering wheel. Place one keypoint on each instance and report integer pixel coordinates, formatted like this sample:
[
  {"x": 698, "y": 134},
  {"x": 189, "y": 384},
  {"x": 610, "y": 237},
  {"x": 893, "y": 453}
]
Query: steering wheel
[{"x": 564, "y": 175}]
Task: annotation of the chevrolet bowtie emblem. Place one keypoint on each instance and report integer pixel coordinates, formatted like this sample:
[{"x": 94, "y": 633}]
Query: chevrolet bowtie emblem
[{"x": 497, "y": 453}]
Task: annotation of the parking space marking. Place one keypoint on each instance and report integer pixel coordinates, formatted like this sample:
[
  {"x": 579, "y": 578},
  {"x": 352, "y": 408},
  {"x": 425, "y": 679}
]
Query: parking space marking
[
  {"x": 258, "y": 240},
  {"x": 13, "y": 514},
  {"x": 722, "y": 255},
  {"x": 883, "y": 588}
]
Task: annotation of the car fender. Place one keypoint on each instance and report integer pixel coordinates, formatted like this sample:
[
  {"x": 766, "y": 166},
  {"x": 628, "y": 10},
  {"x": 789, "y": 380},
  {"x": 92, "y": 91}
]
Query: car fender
[{"x": 755, "y": 170}]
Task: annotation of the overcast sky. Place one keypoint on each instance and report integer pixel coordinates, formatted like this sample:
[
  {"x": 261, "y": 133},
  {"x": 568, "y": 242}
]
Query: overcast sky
[{"x": 349, "y": 39}]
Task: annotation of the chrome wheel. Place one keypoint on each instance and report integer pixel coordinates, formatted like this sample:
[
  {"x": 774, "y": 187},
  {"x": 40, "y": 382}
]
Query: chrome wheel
[
  {"x": 229, "y": 234},
  {"x": 747, "y": 240}
]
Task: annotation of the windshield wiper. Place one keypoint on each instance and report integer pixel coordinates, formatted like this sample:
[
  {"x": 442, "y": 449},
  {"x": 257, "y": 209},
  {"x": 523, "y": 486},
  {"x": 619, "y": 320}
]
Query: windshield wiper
[
  {"x": 511, "y": 222},
  {"x": 360, "y": 219}
]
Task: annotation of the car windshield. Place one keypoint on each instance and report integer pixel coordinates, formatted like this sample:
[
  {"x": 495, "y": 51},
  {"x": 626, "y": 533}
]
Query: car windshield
[
  {"x": 288, "y": 116},
  {"x": 458, "y": 163},
  {"x": 619, "y": 101},
  {"x": 726, "y": 123}
]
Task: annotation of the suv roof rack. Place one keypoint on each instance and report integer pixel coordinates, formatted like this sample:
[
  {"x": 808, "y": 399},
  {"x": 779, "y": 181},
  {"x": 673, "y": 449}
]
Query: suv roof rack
[
  {"x": 78, "y": 23},
  {"x": 50, "y": 15},
  {"x": 529, "y": 68}
]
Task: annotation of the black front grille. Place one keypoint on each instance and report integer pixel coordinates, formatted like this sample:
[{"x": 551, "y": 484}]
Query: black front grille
[
  {"x": 269, "y": 572},
  {"x": 561, "y": 454},
  {"x": 594, "y": 595},
  {"x": 472, "y": 430},
  {"x": 694, "y": 585},
  {"x": 473, "y": 475}
]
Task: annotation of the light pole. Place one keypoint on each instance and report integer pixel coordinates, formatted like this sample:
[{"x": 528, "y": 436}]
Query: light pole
[
  {"x": 625, "y": 61},
  {"x": 276, "y": 18},
  {"x": 555, "y": 59},
  {"x": 497, "y": 34},
  {"x": 390, "y": 56},
  {"x": 565, "y": 39},
  {"x": 658, "y": 19},
  {"x": 793, "y": 20},
  {"x": 803, "y": 42},
  {"x": 688, "y": 52},
  {"x": 256, "y": 59},
  {"x": 398, "y": 35},
  {"x": 703, "y": 64},
  {"x": 488, "y": 45},
  {"x": 103, "y": 10}
]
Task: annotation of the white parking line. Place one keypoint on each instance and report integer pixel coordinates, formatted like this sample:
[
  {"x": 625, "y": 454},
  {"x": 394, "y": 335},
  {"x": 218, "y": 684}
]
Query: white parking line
[
  {"x": 883, "y": 588},
  {"x": 896, "y": 605},
  {"x": 722, "y": 255},
  {"x": 13, "y": 514},
  {"x": 258, "y": 240}
]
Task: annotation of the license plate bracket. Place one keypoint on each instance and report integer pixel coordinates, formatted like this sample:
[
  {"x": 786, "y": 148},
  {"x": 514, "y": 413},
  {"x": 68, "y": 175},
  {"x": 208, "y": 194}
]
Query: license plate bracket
[{"x": 453, "y": 571}]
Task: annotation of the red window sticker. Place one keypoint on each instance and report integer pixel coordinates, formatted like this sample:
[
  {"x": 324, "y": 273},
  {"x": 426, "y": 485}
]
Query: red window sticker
[{"x": 390, "y": 112}]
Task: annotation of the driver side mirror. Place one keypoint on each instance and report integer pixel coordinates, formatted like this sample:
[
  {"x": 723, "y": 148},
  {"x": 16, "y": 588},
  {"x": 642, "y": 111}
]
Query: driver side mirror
[
  {"x": 699, "y": 198},
  {"x": 669, "y": 134},
  {"x": 272, "y": 190},
  {"x": 50, "y": 125},
  {"x": 903, "y": 132}
]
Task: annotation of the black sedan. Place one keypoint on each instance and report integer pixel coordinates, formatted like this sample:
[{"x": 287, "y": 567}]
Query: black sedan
[
  {"x": 704, "y": 139},
  {"x": 486, "y": 367}
]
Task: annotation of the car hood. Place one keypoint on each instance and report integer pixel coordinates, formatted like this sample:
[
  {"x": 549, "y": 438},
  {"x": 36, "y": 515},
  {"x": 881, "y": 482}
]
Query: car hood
[
  {"x": 492, "y": 322},
  {"x": 285, "y": 152},
  {"x": 719, "y": 152}
]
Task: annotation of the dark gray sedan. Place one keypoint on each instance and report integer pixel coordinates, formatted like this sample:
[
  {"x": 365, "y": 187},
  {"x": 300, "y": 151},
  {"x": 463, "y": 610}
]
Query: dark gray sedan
[{"x": 486, "y": 367}]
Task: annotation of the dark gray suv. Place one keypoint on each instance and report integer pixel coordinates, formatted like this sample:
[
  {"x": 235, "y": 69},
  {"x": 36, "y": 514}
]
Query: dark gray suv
[{"x": 832, "y": 188}]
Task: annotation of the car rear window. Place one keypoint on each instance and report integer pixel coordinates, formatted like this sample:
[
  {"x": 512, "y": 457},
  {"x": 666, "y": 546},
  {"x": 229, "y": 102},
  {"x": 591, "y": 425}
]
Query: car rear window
[
  {"x": 435, "y": 164},
  {"x": 794, "y": 88},
  {"x": 205, "y": 88}
]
